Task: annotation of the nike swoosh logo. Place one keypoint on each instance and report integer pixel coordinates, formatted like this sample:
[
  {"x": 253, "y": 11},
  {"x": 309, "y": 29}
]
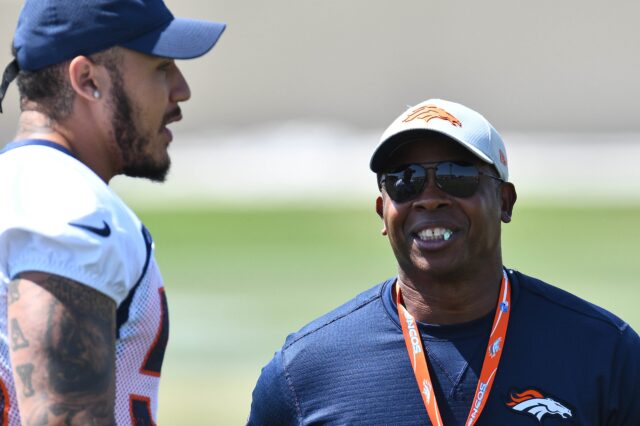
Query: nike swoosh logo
[{"x": 105, "y": 231}]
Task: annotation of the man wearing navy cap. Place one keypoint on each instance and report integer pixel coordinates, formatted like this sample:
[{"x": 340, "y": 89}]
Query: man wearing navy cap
[
  {"x": 84, "y": 320},
  {"x": 455, "y": 338}
]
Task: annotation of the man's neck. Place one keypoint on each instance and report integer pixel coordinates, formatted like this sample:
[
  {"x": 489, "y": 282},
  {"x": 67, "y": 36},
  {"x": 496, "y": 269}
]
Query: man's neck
[
  {"x": 35, "y": 125},
  {"x": 440, "y": 300}
]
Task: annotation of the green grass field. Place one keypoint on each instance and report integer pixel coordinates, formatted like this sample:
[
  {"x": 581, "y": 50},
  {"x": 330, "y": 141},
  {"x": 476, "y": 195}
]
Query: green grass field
[{"x": 239, "y": 281}]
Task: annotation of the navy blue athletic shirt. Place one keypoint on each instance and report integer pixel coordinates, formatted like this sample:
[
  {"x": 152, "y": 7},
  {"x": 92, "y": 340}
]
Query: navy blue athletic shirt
[{"x": 565, "y": 362}]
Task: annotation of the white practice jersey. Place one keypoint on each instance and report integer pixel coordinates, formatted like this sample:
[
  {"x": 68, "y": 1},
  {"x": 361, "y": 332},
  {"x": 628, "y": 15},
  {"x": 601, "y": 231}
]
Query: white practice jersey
[{"x": 57, "y": 216}]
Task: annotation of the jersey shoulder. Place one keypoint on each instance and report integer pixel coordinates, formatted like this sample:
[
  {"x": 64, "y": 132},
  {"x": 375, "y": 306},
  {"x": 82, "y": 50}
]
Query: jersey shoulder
[
  {"x": 63, "y": 219},
  {"x": 47, "y": 185}
]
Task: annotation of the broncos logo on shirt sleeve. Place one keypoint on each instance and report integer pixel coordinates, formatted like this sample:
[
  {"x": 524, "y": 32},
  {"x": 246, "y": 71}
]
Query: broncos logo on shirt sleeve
[{"x": 536, "y": 404}]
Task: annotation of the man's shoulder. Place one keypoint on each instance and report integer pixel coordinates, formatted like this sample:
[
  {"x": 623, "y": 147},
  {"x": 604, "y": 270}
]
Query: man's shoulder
[
  {"x": 565, "y": 304},
  {"x": 64, "y": 220},
  {"x": 47, "y": 179},
  {"x": 47, "y": 183},
  {"x": 339, "y": 318}
]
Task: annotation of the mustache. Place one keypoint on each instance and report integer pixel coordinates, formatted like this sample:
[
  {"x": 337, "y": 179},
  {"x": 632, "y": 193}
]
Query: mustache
[{"x": 172, "y": 115}]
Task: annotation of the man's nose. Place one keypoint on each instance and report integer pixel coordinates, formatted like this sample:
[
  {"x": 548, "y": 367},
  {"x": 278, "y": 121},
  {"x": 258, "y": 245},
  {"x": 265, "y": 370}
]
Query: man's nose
[
  {"x": 431, "y": 197},
  {"x": 180, "y": 91}
]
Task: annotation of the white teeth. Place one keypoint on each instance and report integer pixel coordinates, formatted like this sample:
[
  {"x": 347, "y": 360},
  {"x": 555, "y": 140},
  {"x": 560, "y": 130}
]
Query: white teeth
[{"x": 432, "y": 234}]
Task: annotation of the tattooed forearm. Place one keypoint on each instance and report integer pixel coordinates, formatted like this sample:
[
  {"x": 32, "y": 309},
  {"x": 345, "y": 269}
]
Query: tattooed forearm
[{"x": 25, "y": 371}]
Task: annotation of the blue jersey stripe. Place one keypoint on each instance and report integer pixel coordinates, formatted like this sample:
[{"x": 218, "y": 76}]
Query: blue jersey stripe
[{"x": 36, "y": 142}]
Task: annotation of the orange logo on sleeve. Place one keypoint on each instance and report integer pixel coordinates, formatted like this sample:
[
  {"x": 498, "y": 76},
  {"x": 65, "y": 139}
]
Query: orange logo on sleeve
[{"x": 429, "y": 112}]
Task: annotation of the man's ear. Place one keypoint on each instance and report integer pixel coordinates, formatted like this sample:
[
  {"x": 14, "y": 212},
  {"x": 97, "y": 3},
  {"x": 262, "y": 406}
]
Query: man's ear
[
  {"x": 87, "y": 79},
  {"x": 509, "y": 196},
  {"x": 380, "y": 210}
]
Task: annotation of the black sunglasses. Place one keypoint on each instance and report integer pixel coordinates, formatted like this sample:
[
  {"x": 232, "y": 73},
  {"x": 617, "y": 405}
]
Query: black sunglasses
[{"x": 455, "y": 178}]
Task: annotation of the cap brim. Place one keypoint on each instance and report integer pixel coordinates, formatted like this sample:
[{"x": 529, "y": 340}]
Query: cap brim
[
  {"x": 181, "y": 38},
  {"x": 386, "y": 149}
]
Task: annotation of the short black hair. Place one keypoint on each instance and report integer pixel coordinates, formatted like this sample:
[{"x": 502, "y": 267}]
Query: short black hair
[{"x": 46, "y": 90}]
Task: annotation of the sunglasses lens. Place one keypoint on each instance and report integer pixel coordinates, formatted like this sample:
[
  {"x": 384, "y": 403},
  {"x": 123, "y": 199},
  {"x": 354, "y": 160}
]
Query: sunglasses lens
[
  {"x": 406, "y": 184},
  {"x": 457, "y": 179}
]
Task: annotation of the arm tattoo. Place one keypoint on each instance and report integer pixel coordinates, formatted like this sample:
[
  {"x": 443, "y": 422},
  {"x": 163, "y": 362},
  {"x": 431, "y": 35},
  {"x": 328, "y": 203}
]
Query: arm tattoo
[
  {"x": 80, "y": 337},
  {"x": 78, "y": 298},
  {"x": 25, "y": 371},
  {"x": 17, "y": 338},
  {"x": 78, "y": 344},
  {"x": 79, "y": 355}
]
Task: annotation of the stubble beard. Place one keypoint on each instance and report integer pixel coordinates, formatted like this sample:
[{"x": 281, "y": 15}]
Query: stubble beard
[{"x": 131, "y": 143}]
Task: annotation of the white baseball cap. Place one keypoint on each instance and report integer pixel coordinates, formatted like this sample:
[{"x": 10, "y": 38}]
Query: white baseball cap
[{"x": 461, "y": 124}]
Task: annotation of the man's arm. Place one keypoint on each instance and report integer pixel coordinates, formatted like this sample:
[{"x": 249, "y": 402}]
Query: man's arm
[{"x": 62, "y": 342}]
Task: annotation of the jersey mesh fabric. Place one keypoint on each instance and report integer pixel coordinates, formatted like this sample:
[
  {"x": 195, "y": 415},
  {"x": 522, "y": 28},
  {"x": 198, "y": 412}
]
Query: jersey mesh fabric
[{"x": 141, "y": 342}]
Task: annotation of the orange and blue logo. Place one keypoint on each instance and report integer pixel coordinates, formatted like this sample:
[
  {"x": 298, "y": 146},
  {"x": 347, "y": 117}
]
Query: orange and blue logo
[
  {"x": 429, "y": 112},
  {"x": 534, "y": 403}
]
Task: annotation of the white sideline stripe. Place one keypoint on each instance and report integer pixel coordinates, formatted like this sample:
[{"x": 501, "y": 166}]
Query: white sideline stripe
[{"x": 315, "y": 164}]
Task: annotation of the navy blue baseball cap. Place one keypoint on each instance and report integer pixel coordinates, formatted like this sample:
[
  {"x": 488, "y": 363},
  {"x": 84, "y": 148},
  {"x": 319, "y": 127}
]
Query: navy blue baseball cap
[{"x": 53, "y": 31}]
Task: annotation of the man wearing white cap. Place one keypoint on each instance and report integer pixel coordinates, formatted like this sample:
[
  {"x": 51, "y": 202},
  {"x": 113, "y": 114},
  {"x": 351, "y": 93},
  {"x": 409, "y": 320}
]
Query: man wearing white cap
[
  {"x": 456, "y": 338},
  {"x": 83, "y": 313}
]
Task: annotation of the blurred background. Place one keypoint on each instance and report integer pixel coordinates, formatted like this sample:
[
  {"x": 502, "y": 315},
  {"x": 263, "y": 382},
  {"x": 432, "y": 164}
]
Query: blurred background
[{"x": 267, "y": 218}]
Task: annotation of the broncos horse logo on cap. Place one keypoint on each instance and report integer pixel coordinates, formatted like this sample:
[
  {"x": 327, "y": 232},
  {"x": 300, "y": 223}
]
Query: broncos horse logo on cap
[
  {"x": 429, "y": 112},
  {"x": 536, "y": 404}
]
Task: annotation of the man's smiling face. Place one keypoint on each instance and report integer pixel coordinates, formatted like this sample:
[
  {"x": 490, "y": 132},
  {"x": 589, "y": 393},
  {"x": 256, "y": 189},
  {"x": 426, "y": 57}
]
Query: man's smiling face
[{"x": 437, "y": 234}]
